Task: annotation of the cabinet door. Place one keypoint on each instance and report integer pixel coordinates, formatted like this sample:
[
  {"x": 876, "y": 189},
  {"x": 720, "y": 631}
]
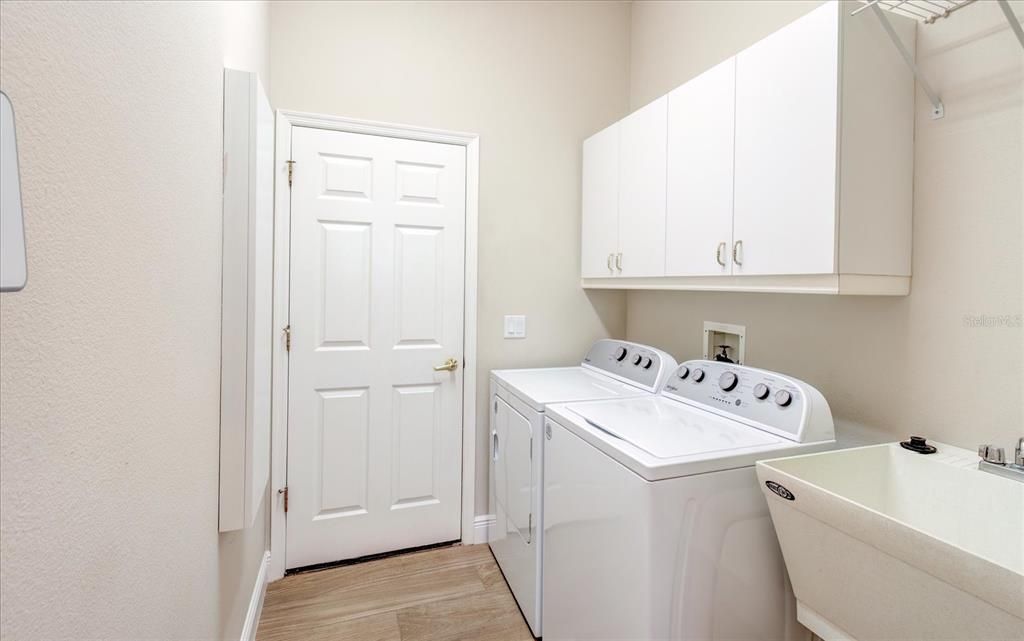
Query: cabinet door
[
  {"x": 786, "y": 132},
  {"x": 600, "y": 236},
  {"x": 642, "y": 190},
  {"x": 698, "y": 223}
]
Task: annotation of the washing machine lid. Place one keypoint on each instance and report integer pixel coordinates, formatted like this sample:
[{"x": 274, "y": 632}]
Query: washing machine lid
[
  {"x": 668, "y": 429},
  {"x": 540, "y": 387}
]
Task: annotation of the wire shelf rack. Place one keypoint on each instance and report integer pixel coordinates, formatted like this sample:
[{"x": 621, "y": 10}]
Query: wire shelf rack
[{"x": 927, "y": 11}]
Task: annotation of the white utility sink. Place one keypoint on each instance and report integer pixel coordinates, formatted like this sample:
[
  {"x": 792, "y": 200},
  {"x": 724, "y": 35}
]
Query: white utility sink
[{"x": 884, "y": 543}]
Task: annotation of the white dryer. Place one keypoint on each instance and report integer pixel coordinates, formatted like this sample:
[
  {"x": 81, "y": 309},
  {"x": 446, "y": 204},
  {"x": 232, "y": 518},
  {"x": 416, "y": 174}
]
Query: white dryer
[
  {"x": 611, "y": 370},
  {"x": 654, "y": 525}
]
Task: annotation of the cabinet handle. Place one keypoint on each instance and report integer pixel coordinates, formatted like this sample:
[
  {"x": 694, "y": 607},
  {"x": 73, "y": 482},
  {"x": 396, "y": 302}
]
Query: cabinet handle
[
  {"x": 610, "y": 268},
  {"x": 718, "y": 254},
  {"x": 494, "y": 446},
  {"x": 737, "y": 251},
  {"x": 618, "y": 261}
]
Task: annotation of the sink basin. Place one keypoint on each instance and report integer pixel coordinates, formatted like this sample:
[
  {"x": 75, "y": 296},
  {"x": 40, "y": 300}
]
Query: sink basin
[{"x": 884, "y": 543}]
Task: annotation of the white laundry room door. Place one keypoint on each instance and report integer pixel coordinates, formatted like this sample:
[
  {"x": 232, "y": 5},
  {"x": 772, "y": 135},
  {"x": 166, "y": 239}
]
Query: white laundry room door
[{"x": 376, "y": 306}]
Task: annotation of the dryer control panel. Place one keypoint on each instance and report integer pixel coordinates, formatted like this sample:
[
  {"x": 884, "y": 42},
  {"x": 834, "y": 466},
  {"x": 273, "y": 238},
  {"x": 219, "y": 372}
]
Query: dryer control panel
[
  {"x": 642, "y": 365},
  {"x": 767, "y": 400}
]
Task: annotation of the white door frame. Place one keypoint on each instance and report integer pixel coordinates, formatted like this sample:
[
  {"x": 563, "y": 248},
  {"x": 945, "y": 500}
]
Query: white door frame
[{"x": 286, "y": 120}]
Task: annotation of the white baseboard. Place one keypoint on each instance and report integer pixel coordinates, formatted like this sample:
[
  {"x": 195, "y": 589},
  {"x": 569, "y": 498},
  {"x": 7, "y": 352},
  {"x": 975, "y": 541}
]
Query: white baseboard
[
  {"x": 481, "y": 526},
  {"x": 259, "y": 590}
]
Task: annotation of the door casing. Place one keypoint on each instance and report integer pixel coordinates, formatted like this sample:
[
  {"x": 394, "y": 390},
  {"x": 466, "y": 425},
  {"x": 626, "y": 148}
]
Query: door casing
[{"x": 285, "y": 122}]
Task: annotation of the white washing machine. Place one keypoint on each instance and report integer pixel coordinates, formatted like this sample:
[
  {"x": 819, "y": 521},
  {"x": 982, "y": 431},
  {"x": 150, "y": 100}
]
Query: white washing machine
[
  {"x": 654, "y": 525},
  {"x": 611, "y": 370}
]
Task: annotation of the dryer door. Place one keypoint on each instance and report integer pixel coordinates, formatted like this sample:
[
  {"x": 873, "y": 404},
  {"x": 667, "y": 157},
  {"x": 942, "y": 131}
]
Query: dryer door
[{"x": 512, "y": 455}]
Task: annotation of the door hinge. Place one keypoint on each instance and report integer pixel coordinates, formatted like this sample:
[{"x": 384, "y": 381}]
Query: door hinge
[
  {"x": 284, "y": 491},
  {"x": 287, "y": 338},
  {"x": 291, "y": 168}
]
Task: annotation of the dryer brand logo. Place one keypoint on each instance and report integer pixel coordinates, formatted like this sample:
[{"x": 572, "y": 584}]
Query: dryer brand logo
[{"x": 781, "y": 491}]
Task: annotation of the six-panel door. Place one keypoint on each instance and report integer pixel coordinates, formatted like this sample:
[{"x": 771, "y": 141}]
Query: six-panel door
[
  {"x": 698, "y": 220},
  {"x": 786, "y": 143},
  {"x": 376, "y": 300}
]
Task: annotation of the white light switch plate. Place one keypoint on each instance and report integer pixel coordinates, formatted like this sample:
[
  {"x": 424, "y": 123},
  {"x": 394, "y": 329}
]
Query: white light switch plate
[{"x": 515, "y": 327}]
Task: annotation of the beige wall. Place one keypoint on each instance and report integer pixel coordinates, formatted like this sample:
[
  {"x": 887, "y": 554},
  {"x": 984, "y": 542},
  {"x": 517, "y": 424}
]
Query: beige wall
[
  {"x": 914, "y": 364},
  {"x": 533, "y": 79},
  {"x": 109, "y": 359},
  {"x": 672, "y": 42},
  {"x": 247, "y": 37}
]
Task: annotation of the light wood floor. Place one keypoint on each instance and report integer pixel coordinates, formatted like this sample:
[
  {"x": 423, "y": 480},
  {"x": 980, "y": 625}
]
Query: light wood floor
[{"x": 448, "y": 594}]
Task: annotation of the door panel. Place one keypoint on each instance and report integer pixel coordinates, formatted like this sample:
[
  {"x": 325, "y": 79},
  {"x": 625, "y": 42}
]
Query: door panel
[
  {"x": 698, "y": 225},
  {"x": 786, "y": 132},
  {"x": 417, "y": 421},
  {"x": 377, "y": 260},
  {"x": 642, "y": 190},
  {"x": 600, "y": 235},
  {"x": 419, "y": 294},
  {"x": 343, "y": 427},
  {"x": 345, "y": 294}
]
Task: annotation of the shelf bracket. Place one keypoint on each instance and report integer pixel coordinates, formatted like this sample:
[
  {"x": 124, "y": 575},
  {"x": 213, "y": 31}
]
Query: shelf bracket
[
  {"x": 938, "y": 110},
  {"x": 1012, "y": 19}
]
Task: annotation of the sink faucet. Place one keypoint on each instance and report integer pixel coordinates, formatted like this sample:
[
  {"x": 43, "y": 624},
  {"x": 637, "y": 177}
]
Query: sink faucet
[{"x": 993, "y": 461}]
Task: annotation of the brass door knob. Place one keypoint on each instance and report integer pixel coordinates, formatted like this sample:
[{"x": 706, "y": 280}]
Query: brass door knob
[{"x": 449, "y": 365}]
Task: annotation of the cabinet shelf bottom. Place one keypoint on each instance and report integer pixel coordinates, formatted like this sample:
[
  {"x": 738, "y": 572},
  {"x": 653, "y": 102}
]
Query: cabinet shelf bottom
[{"x": 832, "y": 284}]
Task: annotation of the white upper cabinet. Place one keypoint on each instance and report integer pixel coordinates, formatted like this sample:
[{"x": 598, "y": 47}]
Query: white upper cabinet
[
  {"x": 600, "y": 238},
  {"x": 642, "y": 191},
  {"x": 788, "y": 168},
  {"x": 787, "y": 125},
  {"x": 698, "y": 225}
]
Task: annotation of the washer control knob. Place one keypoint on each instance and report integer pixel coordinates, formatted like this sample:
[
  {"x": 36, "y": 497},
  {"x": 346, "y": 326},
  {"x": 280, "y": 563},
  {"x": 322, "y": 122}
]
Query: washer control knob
[
  {"x": 783, "y": 398},
  {"x": 638, "y": 359},
  {"x": 683, "y": 372},
  {"x": 727, "y": 381},
  {"x": 761, "y": 391},
  {"x": 648, "y": 362},
  {"x": 698, "y": 375},
  {"x": 620, "y": 353}
]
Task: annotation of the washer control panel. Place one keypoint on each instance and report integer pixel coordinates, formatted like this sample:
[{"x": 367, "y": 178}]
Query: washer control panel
[
  {"x": 642, "y": 365},
  {"x": 765, "y": 399}
]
